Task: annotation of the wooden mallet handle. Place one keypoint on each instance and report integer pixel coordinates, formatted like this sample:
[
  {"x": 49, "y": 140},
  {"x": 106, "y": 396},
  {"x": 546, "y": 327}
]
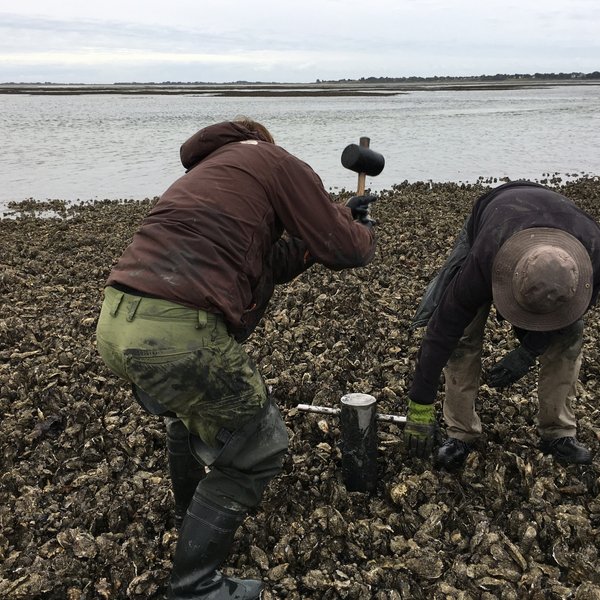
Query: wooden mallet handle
[{"x": 360, "y": 190}]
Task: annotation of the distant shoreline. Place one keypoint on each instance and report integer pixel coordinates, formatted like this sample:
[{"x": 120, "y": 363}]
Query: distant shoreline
[{"x": 330, "y": 89}]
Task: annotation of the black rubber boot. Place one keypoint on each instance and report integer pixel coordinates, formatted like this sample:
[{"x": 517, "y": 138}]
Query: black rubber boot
[
  {"x": 452, "y": 454},
  {"x": 205, "y": 540},
  {"x": 185, "y": 471},
  {"x": 567, "y": 450}
]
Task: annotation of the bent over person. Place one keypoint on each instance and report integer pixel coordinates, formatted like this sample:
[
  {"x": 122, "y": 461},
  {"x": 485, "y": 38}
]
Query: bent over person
[
  {"x": 192, "y": 286},
  {"x": 536, "y": 256}
]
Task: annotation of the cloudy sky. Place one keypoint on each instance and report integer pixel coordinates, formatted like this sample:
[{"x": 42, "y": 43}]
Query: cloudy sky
[{"x": 290, "y": 41}]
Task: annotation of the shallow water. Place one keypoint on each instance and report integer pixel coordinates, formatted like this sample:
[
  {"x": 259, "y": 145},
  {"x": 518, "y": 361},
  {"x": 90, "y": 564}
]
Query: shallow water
[{"x": 123, "y": 146}]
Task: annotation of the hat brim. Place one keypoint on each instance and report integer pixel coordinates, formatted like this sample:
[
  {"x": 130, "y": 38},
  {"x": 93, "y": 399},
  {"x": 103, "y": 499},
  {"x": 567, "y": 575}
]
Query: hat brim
[{"x": 502, "y": 279}]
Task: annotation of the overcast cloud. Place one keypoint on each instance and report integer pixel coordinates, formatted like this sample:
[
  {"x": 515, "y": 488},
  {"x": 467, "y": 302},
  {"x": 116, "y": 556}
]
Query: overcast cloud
[{"x": 290, "y": 41}]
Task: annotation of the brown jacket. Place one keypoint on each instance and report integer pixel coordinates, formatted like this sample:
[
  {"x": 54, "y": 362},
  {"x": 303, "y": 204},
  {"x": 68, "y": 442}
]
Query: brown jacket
[{"x": 214, "y": 239}]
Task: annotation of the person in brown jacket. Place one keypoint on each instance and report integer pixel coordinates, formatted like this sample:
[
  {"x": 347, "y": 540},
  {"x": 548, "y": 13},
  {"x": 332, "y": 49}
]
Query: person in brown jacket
[{"x": 192, "y": 285}]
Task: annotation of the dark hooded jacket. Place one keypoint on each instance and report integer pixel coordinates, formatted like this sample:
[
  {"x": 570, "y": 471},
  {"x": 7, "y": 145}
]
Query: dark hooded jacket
[{"x": 246, "y": 215}]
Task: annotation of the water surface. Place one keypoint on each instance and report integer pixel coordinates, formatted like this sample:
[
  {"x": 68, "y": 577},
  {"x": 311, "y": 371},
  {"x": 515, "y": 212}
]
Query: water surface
[{"x": 86, "y": 147}]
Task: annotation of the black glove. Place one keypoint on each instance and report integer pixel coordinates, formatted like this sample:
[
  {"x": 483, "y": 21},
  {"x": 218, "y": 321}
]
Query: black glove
[
  {"x": 511, "y": 368},
  {"x": 359, "y": 205}
]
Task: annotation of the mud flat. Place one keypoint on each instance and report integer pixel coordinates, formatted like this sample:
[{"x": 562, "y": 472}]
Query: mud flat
[
  {"x": 320, "y": 88},
  {"x": 85, "y": 503}
]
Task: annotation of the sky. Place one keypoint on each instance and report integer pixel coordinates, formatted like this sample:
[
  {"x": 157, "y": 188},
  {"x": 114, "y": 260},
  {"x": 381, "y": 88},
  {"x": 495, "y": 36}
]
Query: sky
[{"x": 71, "y": 41}]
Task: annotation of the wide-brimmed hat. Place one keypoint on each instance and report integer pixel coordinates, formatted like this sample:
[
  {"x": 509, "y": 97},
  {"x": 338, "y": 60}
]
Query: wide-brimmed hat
[{"x": 542, "y": 279}]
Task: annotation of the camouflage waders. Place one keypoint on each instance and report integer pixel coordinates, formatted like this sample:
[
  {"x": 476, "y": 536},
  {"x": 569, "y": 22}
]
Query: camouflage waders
[
  {"x": 184, "y": 365},
  {"x": 186, "y": 361}
]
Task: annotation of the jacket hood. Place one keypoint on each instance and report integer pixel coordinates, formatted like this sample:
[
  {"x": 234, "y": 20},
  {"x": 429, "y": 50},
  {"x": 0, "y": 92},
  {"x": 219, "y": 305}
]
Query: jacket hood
[{"x": 211, "y": 138}]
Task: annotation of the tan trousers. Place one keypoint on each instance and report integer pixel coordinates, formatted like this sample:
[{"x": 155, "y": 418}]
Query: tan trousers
[{"x": 558, "y": 373}]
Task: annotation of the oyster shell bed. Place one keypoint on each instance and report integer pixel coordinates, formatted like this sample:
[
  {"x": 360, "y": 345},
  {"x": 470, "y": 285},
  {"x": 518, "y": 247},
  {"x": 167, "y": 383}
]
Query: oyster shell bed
[{"x": 85, "y": 500}]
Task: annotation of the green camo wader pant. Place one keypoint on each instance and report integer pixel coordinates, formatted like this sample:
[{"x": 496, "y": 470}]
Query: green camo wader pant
[
  {"x": 557, "y": 380},
  {"x": 185, "y": 360}
]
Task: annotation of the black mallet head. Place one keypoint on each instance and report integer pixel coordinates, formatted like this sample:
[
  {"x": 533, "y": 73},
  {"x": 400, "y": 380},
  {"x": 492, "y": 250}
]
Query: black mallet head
[{"x": 362, "y": 159}]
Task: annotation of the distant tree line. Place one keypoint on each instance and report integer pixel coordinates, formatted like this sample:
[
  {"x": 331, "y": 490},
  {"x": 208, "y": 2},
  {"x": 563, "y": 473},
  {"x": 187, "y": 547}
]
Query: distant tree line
[
  {"x": 497, "y": 77},
  {"x": 410, "y": 79}
]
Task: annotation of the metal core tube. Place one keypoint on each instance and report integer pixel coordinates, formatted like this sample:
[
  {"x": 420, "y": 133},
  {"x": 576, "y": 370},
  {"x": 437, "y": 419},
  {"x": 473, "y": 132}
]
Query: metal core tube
[{"x": 359, "y": 442}]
